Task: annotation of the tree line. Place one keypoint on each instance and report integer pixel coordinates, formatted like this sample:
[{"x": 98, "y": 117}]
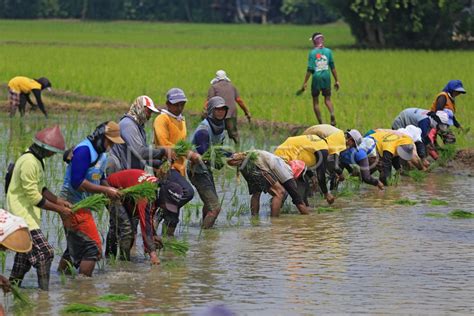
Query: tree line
[{"x": 434, "y": 24}]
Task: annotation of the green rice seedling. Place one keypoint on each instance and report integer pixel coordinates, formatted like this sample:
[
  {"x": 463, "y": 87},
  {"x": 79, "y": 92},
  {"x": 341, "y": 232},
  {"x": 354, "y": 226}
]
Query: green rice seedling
[
  {"x": 95, "y": 202},
  {"x": 446, "y": 154},
  {"x": 216, "y": 156},
  {"x": 21, "y": 297},
  {"x": 435, "y": 215},
  {"x": 116, "y": 297},
  {"x": 3, "y": 260},
  {"x": 145, "y": 190},
  {"x": 461, "y": 214},
  {"x": 417, "y": 175},
  {"x": 394, "y": 180},
  {"x": 405, "y": 202},
  {"x": 323, "y": 209},
  {"x": 178, "y": 247},
  {"x": 436, "y": 202},
  {"x": 78, "y": 308},
  {"x": 182, "y": 147}
]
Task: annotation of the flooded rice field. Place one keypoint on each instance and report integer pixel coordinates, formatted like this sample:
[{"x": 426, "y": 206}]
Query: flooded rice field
[{"x": 368, "y": 255}]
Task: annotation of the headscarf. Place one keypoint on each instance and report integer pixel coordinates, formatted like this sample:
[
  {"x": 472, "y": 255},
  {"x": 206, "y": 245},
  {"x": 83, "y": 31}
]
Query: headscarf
[
  {"x": 97, "y": 138},
  {"x": 137, "y": 111},
  {"x": 220, "y": 75},
  {"x": 318, "y": 41},
  {"x": 217, "y": 126}
]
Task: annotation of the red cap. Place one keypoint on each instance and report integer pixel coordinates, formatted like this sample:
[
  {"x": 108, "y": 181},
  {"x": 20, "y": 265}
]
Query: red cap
[
  {"x": 297, "y": 166},
  {"x": 50, "y": 139}
]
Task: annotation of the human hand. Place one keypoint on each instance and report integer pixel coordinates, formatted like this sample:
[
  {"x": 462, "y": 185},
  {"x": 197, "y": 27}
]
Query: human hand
[
  {"x": 337, "y": 85},
  {"x": 329, "y": 198},
  {"x": 5, "y": 284},
  {"x": 154, "y": 260},
  {"x": 112, "y": 193},
  {"x": 340, "y": 177},
  {"x": 158, "y": 242},
  {"x": 194, "y": 157},
  {"x": 63, "y": 202},
  {"x": 249, "y": 118},
  {"x": 380, "y": 186},
  {"x": 170, "y": 154}
]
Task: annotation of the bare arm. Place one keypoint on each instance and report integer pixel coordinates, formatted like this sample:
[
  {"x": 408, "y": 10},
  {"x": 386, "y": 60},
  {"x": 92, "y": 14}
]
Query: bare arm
[
  {"x": 306, "y": 78},
  {"x": 334, "y": 73}
]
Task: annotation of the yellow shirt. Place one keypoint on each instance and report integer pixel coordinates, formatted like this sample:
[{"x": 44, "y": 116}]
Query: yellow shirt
[
  {"x": 389, "y": 141},
  {"x": 301, "y": 148},
  {"x": 168, "y": 131},
  {"x": 25, "y": 190},
  {"x": 23, "y": 85},
  {"x": 334, "y": 137}
]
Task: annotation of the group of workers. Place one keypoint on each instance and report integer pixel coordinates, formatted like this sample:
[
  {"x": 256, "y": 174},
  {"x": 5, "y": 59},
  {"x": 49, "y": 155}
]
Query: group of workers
[{"x": 117, "y": 155}]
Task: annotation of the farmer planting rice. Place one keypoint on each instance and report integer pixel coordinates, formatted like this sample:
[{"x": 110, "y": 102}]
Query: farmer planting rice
[
  {"x": 170, "y": 128},
  {"x": 19, "y": 90},
  {"x": 85, "y": 176},
  {"x": 209, "y": 133},
  {"x": 313, "y": 151},
  {"x": 128, "y": 212},
  {"x": 357, "y": 153},
  {"x": 320, "y": 60},
  {"x": 266, "y": 172},
  {"x": 446, "y": 100},
  {"x": 221, "y": 86},
  {"x": 425, "y": 121},
  {"x": 27, "y": 194}
]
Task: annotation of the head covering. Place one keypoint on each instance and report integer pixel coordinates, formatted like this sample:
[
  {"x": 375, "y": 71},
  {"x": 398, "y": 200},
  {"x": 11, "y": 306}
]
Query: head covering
[
  {"x": 443, "y": 117},
  {"x": 172, "y": 194},
  {"x": 356, "y": 136},
  {"x": 298, "y": 167},
  {"x": 406, "y": 151},
  {"x": 137, "y": 109},
  {"x": 175, "y": 95},
  {"x": 220, "y": 75},
  {"x": 14, "y": 233},
  {"x": 368, "y": 145},
  {"x": 411, "y": 131},
  {"x": 217, "y": 126},
  {"x": 454, "y": 85},
  {"x": 112, "y": 132},
  {"x": 97, "y": 138},
  {"x": 318, "y": 40},
  {"x": 51, "y": 139},
  {"x": 45, "y": 83}
]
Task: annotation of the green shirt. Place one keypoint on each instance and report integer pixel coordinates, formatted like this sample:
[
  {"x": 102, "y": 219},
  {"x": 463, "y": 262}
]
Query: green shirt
[
  {"x": 319, "y": 62},
  {"x": 25, "y": 189}
]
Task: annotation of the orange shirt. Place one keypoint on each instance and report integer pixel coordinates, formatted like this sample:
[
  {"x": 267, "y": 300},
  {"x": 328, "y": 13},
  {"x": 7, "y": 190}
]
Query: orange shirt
[
  {"x": 449, "y": 103},
  {"x": 167, "y": 132}
]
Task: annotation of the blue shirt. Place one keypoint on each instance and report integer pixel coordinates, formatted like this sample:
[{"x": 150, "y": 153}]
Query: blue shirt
[{"x": 352, "y": 156}]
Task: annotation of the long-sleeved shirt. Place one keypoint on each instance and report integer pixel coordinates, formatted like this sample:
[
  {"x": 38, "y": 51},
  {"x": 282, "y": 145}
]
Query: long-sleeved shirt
[
  {"x": 135, "y": 153},
  {"x": 25, "y": 191},
  {"x": 126, "y": 179}
]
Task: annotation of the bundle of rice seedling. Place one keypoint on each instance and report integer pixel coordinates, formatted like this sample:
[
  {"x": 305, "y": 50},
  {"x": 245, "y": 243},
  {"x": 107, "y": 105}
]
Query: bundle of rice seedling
[
  {"x": 436, "y": 202},
  {"x": 323, "y": 209},
  {"x": 250, "y": 160},
  {"x": 299, "y": 92},
  {"x": 115, "y": 297},
  {"x": 215, "y": 155},
  {"x": 95, "y": 202},
  {"x": 435, "y": 215},
  {"x": 405, "y": 202},
  {"x": 461, "y": 214},
  {"x": 78, "y": 308},
  {"x": 21, "y": 297},
  {"x": 179, "y": 247},
  {"x": 417, "y": 175},
  {"x": 144, "y": 190},
  {"x": 182, "y": 148}
]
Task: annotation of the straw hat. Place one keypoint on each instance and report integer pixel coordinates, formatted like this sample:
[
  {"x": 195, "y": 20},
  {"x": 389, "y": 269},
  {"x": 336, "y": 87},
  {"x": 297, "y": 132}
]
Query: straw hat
[
  {"x": 112, "y": 132},
  {"x": 50, "y": 139},
  {"x": 14, "y": 233}
]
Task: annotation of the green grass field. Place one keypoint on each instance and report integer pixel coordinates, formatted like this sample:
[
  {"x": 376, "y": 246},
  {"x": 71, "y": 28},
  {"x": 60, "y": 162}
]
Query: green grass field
[{"x": 121, "y": 60}]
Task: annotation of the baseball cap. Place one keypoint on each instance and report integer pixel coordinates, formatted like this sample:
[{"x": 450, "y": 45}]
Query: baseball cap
[
  {"x": 457, "y": 86},
  {"x": 14, "y": 233},
  {"x": 406, "y": 152},
  {"x": 171, "y": 194},
  {"x": 356, "y": 136},
  {"x": 175, "y": 95},
  {"x": 298, "y": 167},
  {"x": 112, "y": 132},
  {"x": 148, "y": 102}
]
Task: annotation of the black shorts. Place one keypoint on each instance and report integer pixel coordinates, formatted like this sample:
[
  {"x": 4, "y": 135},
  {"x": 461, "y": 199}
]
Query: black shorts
[
  {"x": 316, "y": 92},
  {"x": 80, "y": 247},
  {"x": 259, "y": 180}
]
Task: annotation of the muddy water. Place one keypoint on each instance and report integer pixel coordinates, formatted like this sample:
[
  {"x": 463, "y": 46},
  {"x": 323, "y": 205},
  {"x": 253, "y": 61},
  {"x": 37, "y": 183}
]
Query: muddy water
[{"x": 368, "y": 256}]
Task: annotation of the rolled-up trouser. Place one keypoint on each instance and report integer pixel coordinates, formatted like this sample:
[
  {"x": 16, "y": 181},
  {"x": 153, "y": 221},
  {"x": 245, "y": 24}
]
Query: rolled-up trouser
[
  {"x": 204, "y": 183},
  {"x": 40, "y": 257},
  {"x": 122, "y": 230}
]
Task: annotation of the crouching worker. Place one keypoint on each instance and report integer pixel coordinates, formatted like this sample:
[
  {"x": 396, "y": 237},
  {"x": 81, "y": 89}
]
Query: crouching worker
[
  {"x": 357, "y": 153},
  {"x": 313, "y": 151},
  {"x": 266, "y": 172},
  {"x": 27, "y": 195},
  {"x": 127, "y": 214},
  {"x": 209, "y": 133},
  {"x": 15, "y": 236},
  {"x": 84, "y": 177}
]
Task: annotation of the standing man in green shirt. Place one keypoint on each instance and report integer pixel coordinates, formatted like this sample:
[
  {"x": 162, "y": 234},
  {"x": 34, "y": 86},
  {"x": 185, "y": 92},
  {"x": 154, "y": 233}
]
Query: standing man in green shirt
[
  {"x": 27, "y": 194},
  {"x": 320, "y": 60}
]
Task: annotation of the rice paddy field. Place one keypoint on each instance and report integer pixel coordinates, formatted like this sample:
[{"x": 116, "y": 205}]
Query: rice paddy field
[{"x": 405, "y": 250}]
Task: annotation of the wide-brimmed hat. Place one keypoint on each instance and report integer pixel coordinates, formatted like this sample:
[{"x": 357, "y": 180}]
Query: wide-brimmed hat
[
  {"x": 112, "y": 132},
  {"x": 14, "y": 233},
  {"x": 406, "y": 152},
  {"x": 298, "y": 167},
  {"x": 51, "y": 139}
]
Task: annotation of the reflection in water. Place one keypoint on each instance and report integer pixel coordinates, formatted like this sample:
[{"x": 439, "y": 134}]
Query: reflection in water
[{"x": 371, "y": 256}]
